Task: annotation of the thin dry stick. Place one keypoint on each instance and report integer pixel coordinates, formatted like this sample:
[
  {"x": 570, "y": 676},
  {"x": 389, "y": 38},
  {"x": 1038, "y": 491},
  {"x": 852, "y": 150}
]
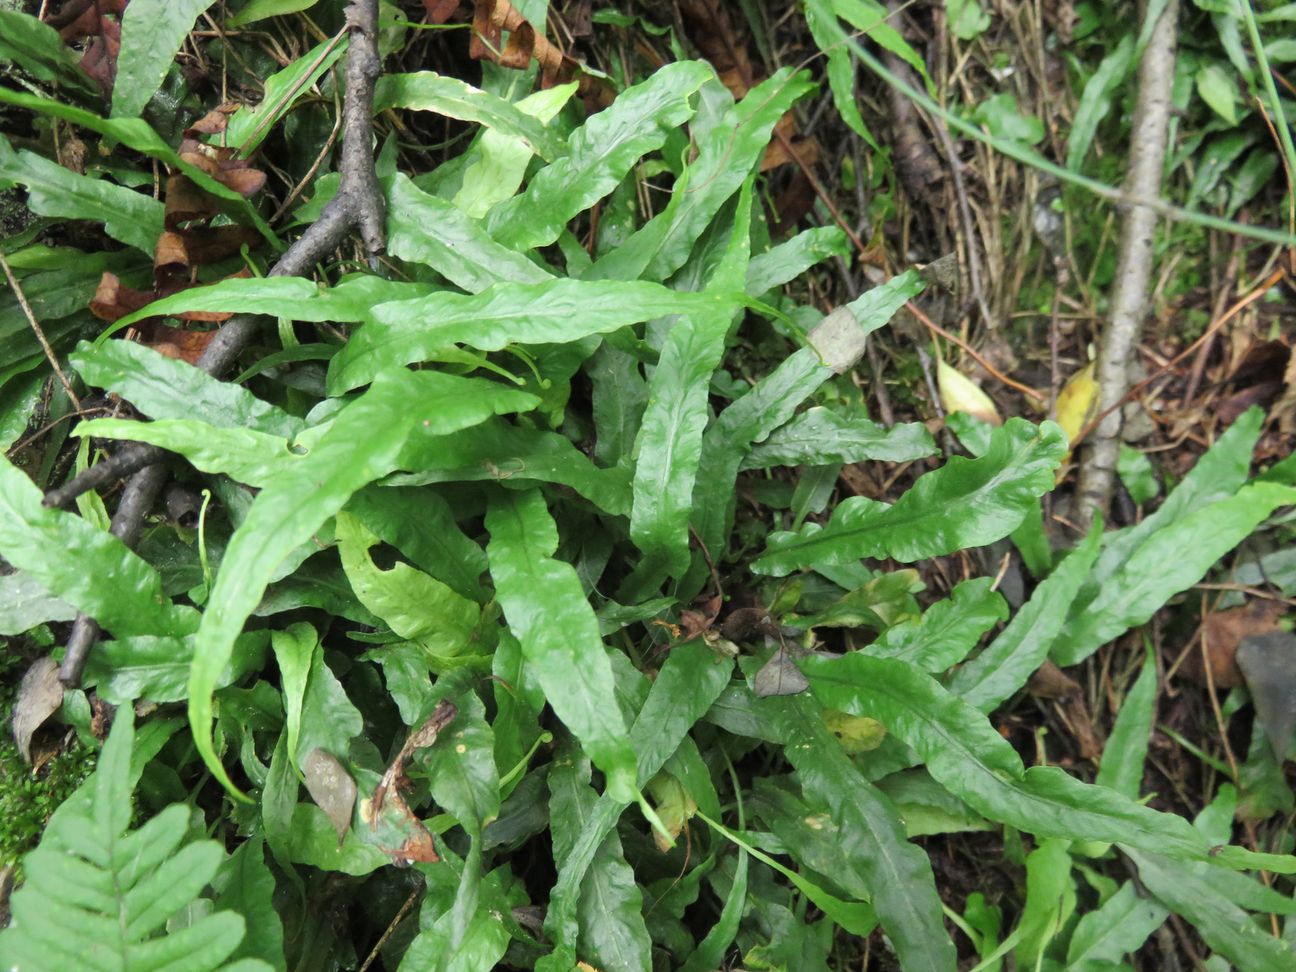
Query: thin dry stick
[
  {"x": 40, "y": 335},
  {"x": 1221, "y": 302},
  {"x": 1148, "y": 137},
  {"x": 358, "y": 204},
  {"x": 1260, "y": 290},
  {"x": 955, "y": 339}
]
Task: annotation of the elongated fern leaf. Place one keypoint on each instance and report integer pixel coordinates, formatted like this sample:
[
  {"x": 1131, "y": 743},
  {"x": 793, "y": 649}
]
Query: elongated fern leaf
[{"x": 98, "y": 896}]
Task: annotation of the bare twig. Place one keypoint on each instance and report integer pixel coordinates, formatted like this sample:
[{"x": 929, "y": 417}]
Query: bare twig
[
  {"x": 16, "y": 287},
  {"x": 1148, "y": 136},
  {"x": 357, "y": 205}
]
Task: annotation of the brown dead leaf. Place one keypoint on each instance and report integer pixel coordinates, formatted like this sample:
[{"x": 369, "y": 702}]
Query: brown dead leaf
[
  {"x": 386, "y": 811},
  {"x": 1222, "y": 632},
  {"x": 525, "y": 44},
  {"x": 39, "y": 696},
  {"x": 439, "y": 11},
  {"x": 331, "y": 787},
  {"x": 1050, "y": 682}
]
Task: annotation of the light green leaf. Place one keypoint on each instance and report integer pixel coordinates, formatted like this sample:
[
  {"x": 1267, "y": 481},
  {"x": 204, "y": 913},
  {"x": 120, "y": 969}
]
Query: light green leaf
[
  {"x": 95, "y": 888},
  {"x": 24, "y": 603},
  {"x": 1169, "y": 561},
  {"x": 1127, "y": 746},
  {"x": 294, "y": 649},
  {"x": 967, "y": 21},
  {"x": 1010, "y": 660},
  {"x": 156, "y": 668},
  {"x": 264, "y": 9},
  {"x": 128, "y": 216},
  {"x": 967, "y": 756},
  {"x": 966, "y": 503},
  {"x": 425, "y": 229},
  {"x": 166, "y": 388},
  {"x": 1050, "y": 900},
  {"x": 254, "y": 458},
  {"x": 787, "y": 261},
  {"x": 547, "y": 611},
  {"x": 429, "y": 91},
  {"x": 501, "y": 160},
  {"x": 363, "y": 443},
  {"x": 151, "y": 34},
  {"x": 417, "y": 607},
  {"x": 558, "y": 311},
  {"x": 421, "y": 525},
  {"x": 599, "y": 155},
  {"x": 1116, "y": 929},
  {"x": 1219, "y": 90},
  {"x": 350, "y": 299},
  {"x": 88, "y": 568},
  {"x": 728, "y": 153}
]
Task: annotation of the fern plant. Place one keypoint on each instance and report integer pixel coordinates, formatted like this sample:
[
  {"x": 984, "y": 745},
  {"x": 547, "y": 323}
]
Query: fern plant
[{"x": 98, "y": 896}]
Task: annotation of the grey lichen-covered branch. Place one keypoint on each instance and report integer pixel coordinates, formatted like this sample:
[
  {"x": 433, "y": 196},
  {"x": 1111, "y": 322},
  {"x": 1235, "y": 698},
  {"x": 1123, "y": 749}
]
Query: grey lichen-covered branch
[
  {"x": 1148, "y": 137},
  {"x": 358, "y": 205}
]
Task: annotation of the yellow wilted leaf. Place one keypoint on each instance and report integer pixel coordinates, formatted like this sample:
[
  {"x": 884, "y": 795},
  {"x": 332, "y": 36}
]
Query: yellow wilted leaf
[
  {"x": 959, "y": 393},
  {"x": 1077, "y": 402},
  {"x": 857, "y": 734},
  {"x": 674, "y": 806}
]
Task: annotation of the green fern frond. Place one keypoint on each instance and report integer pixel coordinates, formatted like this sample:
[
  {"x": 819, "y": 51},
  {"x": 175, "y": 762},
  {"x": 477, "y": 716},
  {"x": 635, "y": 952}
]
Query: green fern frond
[{"x": 98, "y": 896}]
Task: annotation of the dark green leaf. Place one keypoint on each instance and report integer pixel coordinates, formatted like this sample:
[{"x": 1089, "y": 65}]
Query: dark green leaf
[
  {"x": 784, "y": 263},
  {"x": 820, "y": 435},
  {"x": 363, "y": 443},
  {"x": 1011, "y": 659},
  {"x": 669, "y": 445},
  {"x": 429, "y": 91},
  {"x": 968, "y": 757},
  {"x": 245, "y": 885},
  {"x": 1165, "y": 563},
  {"x": 563, "y": 310},
  {"x": 546, "y": 609},
  {"x": 88, "y": 568},
  {"x": 24, "y": 603},
  {"x": 873, "y": 840},
  {"x": 966, "y": 503},
  {"x": 506, "y": 453},
  {"x": 128, "y": 216},
  {"x": 156, "y": 668},
  {"x": 37, "y": 48},
  {"x": 246, "y": 456},
  {"x": 151, "y": 34},
  {"x": 462, "y": 770},
  {"x": 1111, "y": 932}
]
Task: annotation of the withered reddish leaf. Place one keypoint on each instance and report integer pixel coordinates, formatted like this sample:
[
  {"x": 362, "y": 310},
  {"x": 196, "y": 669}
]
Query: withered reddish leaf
[
  {"x": 388, "y": 813},
  {"x": 177, "y": 343},
  {"x": 214, "y": 122},
  {"x": 331, "y": 787},
  {"x": 1222, "y": 632},
  {"x": 198, "y": 246},
  {"x": 186, "y": 202},
  {"x": 439, "y": 11},
  {"x": 244, "y": 180},
  {"x": 113, "y": 301}
]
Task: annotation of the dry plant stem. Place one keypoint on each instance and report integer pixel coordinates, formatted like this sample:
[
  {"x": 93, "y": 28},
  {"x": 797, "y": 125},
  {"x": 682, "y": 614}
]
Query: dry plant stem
[
  {"x": 1148, "y": 136},
  {"x": 1221, "y": 304},
  {"x": 357, "y": 205},
  {"x": 40, "y": 335}
]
